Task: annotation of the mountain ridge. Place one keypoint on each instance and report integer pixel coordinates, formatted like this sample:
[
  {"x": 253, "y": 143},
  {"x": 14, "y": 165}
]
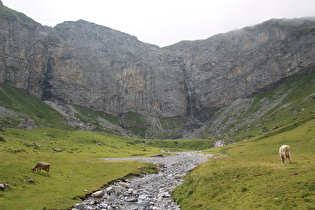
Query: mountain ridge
[{"x": 82, "y": 63}]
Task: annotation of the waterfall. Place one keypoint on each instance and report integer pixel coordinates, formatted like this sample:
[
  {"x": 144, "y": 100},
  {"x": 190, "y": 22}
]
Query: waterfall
[
  {"x": 189, "y": 91},
  {"x": 190, "y": 99}
]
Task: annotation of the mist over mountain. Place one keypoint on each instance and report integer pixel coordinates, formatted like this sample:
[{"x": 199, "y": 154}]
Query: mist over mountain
[{"x": 94, "y": 66}]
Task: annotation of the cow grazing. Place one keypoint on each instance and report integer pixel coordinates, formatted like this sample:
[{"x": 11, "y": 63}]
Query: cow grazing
[
  {"x": 41, "y": 165},
  {"x": 284, "y": 153}
]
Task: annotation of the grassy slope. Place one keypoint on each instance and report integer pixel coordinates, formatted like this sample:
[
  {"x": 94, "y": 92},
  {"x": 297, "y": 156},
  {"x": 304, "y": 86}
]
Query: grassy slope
[
  {"x": 89, "y": 116},
  {"x": 249, "y": 175},
  {"x": 27, "y": 106},
  {"x": 71, "y": 172},
  {"x": 155, "y": 127},
  {"x": 75, "y": 169},
  {"x": 288, "y": 103}
]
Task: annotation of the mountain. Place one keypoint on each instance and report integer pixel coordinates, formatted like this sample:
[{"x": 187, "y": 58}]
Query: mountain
[{"x": 84, "y": 64}]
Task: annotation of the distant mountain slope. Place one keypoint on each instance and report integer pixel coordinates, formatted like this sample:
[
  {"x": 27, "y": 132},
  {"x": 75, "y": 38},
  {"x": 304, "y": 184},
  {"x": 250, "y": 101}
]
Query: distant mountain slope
[
  {"x": 106, "y": 70},
  {"x": 292, "y": 102},
  {"x": 21, "y": 110}
]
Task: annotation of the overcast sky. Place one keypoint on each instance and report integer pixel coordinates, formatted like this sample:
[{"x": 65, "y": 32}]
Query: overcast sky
[{"x": 164, "y": 22}]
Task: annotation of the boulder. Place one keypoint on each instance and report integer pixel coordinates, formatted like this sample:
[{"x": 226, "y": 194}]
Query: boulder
[
  {"x": 114, "y": 189},
  {"x": 98, "y": 193},
  {"x": 57, "y": 150},
  {"x": 110, "y": 190},
  {"x": 79, "y": 206},
  {"x": 180, "y": 176},
  {"x": 219, "y": 143},
  {"x": 27, "y": 123},
  {"x": 123, "y": 184},
  {"x": 132, "y": 199}
]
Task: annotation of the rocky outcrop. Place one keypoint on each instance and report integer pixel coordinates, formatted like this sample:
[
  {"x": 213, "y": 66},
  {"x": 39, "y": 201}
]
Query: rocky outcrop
[
  {"x": 27, "y": 124},
  {"x": 240, "y": 63},
  {"x": 104, "y": 69}
]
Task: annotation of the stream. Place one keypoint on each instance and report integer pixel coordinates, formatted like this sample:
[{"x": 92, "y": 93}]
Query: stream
[{"x": 152, "y": 191}]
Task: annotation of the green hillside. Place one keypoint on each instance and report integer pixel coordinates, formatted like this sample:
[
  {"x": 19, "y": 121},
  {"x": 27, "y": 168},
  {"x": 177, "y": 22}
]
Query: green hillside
[
  {"x": 73, "y": 154},
  {"x": 245, "y": 175},
  {"x": 291, "y": 102},
  {"x": 75, "y": 166},
  {"x": 18, "y": 106},
  {"x": 250, "y": 175}
]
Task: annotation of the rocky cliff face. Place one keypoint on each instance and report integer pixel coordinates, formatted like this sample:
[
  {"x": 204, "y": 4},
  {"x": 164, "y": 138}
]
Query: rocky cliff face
[
  {"x": 240, "y": 63},
  {"x": 104, "y": 69}
]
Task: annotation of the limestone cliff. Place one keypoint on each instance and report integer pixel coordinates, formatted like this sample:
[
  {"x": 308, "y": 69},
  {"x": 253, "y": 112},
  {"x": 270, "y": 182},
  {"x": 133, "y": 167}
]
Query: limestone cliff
[
  {"x": 104, "y": 69},
  {"x": 240, "y": 63}
]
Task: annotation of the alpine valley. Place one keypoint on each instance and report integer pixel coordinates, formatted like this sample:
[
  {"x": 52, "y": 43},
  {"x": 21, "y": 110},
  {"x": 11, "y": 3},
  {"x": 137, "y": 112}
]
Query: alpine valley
[{"x": 97, "y": 78}]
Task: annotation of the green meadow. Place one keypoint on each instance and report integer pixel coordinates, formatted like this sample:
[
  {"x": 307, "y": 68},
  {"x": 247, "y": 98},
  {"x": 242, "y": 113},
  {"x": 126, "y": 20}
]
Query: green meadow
[
  {"x": 75, "y": 171},
  {"x": 244, "y": 175},
  {"x": 249, "y": 174}
]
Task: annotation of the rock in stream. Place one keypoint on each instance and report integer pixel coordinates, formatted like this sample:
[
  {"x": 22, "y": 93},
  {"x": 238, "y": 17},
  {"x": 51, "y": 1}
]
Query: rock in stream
[{"x": 146, "y": 192}]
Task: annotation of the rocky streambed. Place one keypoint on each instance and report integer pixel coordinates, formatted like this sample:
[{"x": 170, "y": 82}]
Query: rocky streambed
[{"x": 151, "y": 191}]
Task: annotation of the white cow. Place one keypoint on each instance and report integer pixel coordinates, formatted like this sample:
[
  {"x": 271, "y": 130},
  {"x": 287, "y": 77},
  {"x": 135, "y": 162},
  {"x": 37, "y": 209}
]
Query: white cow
[{"x": 284, "y": 153}]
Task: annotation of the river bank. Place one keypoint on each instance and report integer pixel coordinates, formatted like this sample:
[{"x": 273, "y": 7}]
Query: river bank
[{"x": 151, "y": 191}]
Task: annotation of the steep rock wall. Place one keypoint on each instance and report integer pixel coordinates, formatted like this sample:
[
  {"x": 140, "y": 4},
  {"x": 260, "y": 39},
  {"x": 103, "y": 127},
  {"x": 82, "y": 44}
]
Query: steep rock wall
[
  {"x": 240, "y": 63},
  {"x": 104, "y": 69}
]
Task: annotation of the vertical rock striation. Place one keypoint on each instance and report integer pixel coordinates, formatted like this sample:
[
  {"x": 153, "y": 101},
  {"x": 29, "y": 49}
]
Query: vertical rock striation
[{"x": 104, "y": 69}]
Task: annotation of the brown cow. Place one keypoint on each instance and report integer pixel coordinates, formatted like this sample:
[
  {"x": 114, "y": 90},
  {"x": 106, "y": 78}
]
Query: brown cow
[
  {"x": 41, "y": 165},
  {"x": 284, "y": 153}
]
